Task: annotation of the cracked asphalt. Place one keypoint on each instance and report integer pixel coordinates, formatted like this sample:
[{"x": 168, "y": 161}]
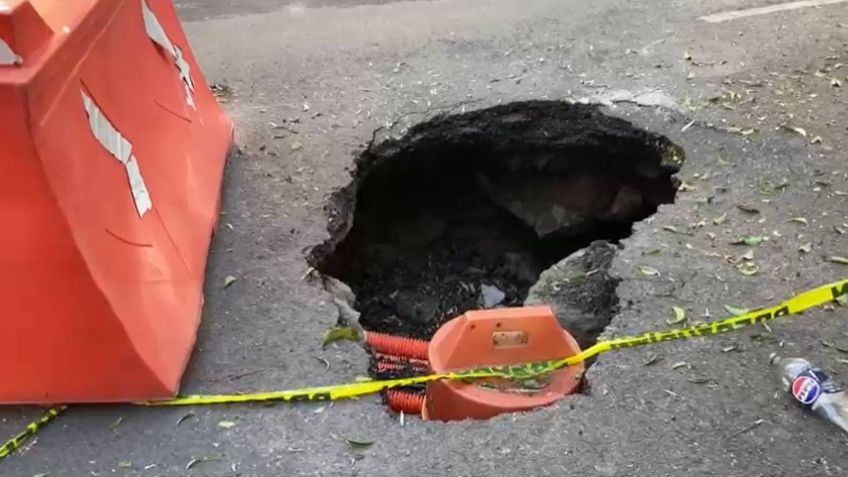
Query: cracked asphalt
[{"x": 757, "y": 103}]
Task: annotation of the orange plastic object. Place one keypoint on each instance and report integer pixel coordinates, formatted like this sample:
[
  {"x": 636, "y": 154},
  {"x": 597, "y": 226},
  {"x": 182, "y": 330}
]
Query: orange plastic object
[
  {"x": 493, "y": 338},
  {"x": 100, "y": 297},
  {"x": 397, "y": 345},
  {"x": 406, "y": 402}
]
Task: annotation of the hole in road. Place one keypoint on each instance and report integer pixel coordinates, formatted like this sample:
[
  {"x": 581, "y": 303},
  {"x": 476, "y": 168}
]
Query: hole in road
[{"x": 466, "y": 211}]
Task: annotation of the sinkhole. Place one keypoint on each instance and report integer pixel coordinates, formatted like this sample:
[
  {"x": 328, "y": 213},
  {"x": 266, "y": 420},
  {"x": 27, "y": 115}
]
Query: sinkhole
[{"x": 466, "y": 211}]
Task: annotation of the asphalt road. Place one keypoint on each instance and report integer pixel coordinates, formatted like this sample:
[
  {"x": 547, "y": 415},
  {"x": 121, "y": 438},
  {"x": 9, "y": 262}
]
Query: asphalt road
[{"x": 344, "y": 70}]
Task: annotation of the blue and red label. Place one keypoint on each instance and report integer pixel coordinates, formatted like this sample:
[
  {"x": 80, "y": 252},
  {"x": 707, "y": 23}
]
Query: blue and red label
[{"x": 806, "y": 388}]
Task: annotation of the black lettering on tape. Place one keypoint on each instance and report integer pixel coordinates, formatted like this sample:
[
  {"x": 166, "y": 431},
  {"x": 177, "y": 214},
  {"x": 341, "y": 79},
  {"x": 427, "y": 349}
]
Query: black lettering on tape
[{"x": 839, "y": 291}]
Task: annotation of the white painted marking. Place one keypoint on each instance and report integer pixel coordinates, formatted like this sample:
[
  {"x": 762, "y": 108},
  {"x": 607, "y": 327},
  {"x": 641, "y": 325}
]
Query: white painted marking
[
  {"x": 4, "y": 7},
  {"x": 781, "y": 7}
]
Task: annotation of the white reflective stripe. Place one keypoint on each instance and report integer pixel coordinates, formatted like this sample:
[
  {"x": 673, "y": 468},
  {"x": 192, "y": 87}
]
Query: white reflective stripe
[
  {"x": 7, "y": 56},
  {"x": 155, "y": 30},
  {"x": 105, "y": 133},
  {"x": 158, "y": 35},
  {"x": 121, "y": 149},
  {"x": 137, "y": 187}
]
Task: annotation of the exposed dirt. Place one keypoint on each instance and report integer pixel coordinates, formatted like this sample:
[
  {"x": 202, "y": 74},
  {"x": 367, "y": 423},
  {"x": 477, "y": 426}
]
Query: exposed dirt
[{"x": 466, "y": 211}]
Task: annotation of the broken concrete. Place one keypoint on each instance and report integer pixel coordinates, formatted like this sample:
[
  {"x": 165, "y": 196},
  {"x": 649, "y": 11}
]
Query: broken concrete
[{"x": 581, "y": 292}]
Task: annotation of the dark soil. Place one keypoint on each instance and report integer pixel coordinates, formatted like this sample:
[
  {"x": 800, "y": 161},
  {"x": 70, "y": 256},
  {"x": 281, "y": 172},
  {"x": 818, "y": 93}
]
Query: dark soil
[{"x": 466, "y": 211}]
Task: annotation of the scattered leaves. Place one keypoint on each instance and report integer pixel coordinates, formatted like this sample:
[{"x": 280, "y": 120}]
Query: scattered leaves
[
  {"x": 720, "y": 219},
  {"x": 679, "y": 364},
  {"x": 751, "y": 240},
  {"x": 816, "y": 140},
  {"x": 748, "y": 268},
  {"x": 835, "y": 82},
  {"x": 806, "y": 248},
  {"x": 838, "y": 259},
  {"x": 799, "y": 220},
  {"x": 358, "y": 444},
  {"x": 679, "y": 315},
  {"x": 670, "y": 228},
  {"x": 687, "y": 56},
  {"x": 736, "y": 311},
  {"x": 229, "y": 281},
  {"x": 125, "y": 464},
  {"x": 649, "y": 271},
  {"x": 226, "y": 424},
  {"x": 748, "y": 208},
  {"x": 296, "y": 146},
  {"x": 338, "y": 333},
  {"x": 747, "y": 256}
]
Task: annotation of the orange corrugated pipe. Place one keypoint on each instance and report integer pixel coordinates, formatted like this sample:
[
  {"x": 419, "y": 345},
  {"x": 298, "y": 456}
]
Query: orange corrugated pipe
[
  {"x": 383, "y": 366},
  {"x": 397, "y": 345},
  {"x": 409, "y": 403}
]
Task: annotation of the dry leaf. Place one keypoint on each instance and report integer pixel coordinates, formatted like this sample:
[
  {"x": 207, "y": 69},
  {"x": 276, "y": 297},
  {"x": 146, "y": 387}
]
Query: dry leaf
[
  {"x": 816, "y": 140},
  {"x": 699, "y": 379},
  {"x": 751, "y": 241},
  {"x": 198, "y": 460},
  {"x": 188, "y": 415},
  {"x": 686, "y": 187},
  {"x": 649, "y": 271},
  {"x": 226, "y": 424},
  {"x": 670, "y": 228},
  {"x": 838, "y": 259},
  {"x": 651, "y": 359},
  {"x": 679, "y": 316},
  {"x": 358, "y": 444},
  {"x": 687, "y": 56},
  {"x": 748, "y": 208},
  {"x": 835, "y": 82},
  {"x": 338, "y": 333},
  {"x": 748, "y": 268},
  {"x": 296, "y": 146},
  {"x": 736, "y": 311},
  {"x": 794, "y": 129},
  {"x": 229, "y": 281},
  {"x": 806, "y": 248},
  {"x": 679, "y": 364},
  {"x": 749, "y": 255},
  {"x": 799, "y": 220},
  {"x": 720, "y": 219}
]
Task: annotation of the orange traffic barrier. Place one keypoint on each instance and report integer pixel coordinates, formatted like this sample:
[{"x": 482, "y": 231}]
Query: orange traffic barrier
[
  {"x": 495, "y": 338},
  {"x": 112, "y": 151}
]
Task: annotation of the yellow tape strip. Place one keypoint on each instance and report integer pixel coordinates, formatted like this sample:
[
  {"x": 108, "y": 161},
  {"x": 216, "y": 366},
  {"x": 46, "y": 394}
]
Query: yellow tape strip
[
  {"x": 797, "y": 304},
  {"x": 32, "y": 428}
]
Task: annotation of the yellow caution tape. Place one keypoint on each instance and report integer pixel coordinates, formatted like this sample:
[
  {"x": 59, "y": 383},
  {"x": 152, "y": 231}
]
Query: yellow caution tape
[
  {"x": 795, "y": 305},
  {"x": 32, "y": 428}
]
